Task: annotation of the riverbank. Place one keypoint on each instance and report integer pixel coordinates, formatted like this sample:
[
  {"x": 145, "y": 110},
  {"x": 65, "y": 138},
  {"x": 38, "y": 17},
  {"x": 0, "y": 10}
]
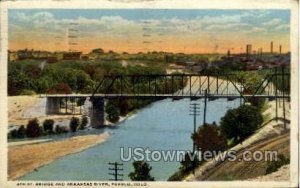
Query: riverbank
[
  {"x": 17, "y": 105},
  {"x": 21, "y": 110},
  {"x": 272, "y": 136},
  {"x": 26, "y": 158}
]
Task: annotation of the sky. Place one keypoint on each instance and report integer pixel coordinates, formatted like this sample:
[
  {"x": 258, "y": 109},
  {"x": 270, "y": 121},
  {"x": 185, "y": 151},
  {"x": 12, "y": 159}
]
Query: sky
[{"x": 141, "y": 30}]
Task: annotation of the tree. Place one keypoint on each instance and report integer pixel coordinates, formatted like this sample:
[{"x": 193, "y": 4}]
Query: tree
[
  {"x": 209, "y": 138},
  {"x": 239, "y": 123},
  {"x": 113, "y": 112},
  {"x": 33, "y": 128},
  {"x": 141, "y": 171},
  {"x": 58, "y": 129},
  {"x": 189, "y": 162},
  {"x": 273, "y": 166},
  {"x": 84, "y": 122},
  {"x": 48, "y": 125},
  {"x": 21, "y": 132},
  {"x": 125, "y": 106},
  {"x": 74, "y": 123},
  {"x": 61, "y": 88}
]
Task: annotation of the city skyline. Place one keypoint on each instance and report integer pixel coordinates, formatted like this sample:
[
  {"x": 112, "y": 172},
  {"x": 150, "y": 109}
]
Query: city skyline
[{"x": 142, "y": 30}]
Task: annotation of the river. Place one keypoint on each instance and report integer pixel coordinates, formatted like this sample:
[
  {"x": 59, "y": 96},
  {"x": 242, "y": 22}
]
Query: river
[{"x": 163, "y": 125}]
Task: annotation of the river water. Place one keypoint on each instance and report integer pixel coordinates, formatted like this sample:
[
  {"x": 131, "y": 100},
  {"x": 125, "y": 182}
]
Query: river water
[{"x": 163, "y": 125}]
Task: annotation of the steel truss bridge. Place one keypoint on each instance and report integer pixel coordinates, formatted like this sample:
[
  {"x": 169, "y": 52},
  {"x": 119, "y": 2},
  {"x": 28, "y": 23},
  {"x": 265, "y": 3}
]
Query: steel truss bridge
[
  {"x": 274, "y": 85},
  {"x": 193, "y": 86}
]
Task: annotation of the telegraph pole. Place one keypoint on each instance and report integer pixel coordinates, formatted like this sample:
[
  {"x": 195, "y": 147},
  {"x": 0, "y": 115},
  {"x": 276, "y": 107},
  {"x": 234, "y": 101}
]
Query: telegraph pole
[
  {"x": 283, "y": 99},
  {"x": 115, "y": 171},
  {"x": 276, "y": 93},
  {"x": 194, "y": 111},
  {"x": 205, "y": 104}
]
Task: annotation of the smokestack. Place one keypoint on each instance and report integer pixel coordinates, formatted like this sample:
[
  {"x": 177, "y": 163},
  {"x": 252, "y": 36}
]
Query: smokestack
[
  {"x": 248, "y": 49},
  {"x": 271, "y": 47},
  {"x": 280, "y": 48},
  {"x": 228, "y": 53}
]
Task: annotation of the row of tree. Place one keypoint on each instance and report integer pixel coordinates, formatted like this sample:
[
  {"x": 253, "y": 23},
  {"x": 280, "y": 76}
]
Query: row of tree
[
  {"x": 67, "y": 77},
  {"x": 34, "y": 129}
]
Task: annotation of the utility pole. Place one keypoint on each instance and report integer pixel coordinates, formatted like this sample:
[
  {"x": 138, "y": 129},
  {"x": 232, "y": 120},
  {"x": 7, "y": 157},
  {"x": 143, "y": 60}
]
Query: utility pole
[
  {"x": 283, "y": 99},
  {"x": 205, "y": 104},
  {"x": 194, "y": 111},
  {"x": 276, "y": 93},
  {"x": 115, "y": 171}
]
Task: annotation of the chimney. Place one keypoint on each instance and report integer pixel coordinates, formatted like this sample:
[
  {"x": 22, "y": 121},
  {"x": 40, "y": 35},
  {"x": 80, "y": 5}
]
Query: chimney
[
  {"x": 248, "y": 49},
  {"x": 271, "y": 47},
  {"x": 280, "y": 48},
  {"x": 228, "y": 53}
]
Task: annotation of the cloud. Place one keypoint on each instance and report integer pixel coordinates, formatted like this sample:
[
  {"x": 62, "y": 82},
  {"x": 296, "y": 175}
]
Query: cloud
[
  {"x": 218, "y": 27},
  {"x": 272, "y": 22},
  {"x": 282, "y": 27},
  {"x": 258, "y": 13}
]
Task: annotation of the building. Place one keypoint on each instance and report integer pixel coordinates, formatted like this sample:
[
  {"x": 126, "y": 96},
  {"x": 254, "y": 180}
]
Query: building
[
  {"x": 248, "y": 49},
  {"x": 12, "y": 56},
  {"x": 271, "y": 50},
  {"x": 72, "y": 55}
]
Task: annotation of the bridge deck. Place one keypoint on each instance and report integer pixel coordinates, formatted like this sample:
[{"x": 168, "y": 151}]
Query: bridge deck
[{"x": 144, "y": 96}]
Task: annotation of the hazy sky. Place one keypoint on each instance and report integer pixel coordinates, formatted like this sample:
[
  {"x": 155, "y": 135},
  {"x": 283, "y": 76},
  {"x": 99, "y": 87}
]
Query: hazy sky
[{"x": 134, "y": 30}]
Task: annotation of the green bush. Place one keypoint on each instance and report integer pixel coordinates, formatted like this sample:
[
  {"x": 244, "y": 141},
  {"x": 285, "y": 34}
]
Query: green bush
[
  {"x": 84, "y": 122},
  {"x": 21, "y": 132},
  {"x": 33, "y": 128},
  {"x": 273, "y": 166},
  {"x": 177, "y": 176},
  {"x": 209, "y": 138},
  {"x": 141, "y": 171},
  {"x": 187, "y": 165},
  {"x": 113, "y": 112},
  {"x": 13, "y": 134},
  {"x": 240, "y": 123},
  {"x": 74, "y": 123},
  {"x": 58, "y": 129},
  {"x": 48, "y": 125},
  {"x": 27, "y": 92}
]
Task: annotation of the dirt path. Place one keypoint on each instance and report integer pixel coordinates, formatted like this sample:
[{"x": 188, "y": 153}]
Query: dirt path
[{"x": 26, "y": 158}]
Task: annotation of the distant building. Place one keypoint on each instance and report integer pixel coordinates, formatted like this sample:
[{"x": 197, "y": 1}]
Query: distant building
[
  {"x": 12, "y": 56},
  {"x": 271, "y": 50},
  {"x": 72, "y": 55},
  {"x": 25, "y": 54},
  {"x": 98, "y": 51},
  {"x": 280, "y": 49},
  {"x": 248, "y": 49}
]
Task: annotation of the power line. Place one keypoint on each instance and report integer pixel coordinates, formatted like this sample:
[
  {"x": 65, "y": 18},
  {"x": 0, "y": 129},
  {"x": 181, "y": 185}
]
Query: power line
[
  {"x": 115, "y": 171},
  {"x": 194, "y": 111}
]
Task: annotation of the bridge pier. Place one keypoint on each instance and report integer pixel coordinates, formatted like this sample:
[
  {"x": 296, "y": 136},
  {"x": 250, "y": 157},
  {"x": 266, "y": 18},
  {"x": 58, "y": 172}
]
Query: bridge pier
[
  {"x": 52, "y": 105},
  {"x": 97, "y": 116}
]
